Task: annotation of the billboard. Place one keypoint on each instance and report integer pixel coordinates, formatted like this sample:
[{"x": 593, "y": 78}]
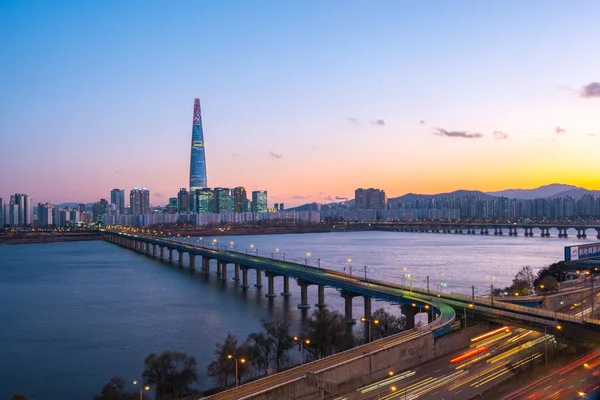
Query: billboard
[{"x": 582, "y": 251}]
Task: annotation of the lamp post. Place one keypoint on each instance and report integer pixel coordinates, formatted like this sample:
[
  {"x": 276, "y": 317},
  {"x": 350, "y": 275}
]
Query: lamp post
[
  {"x": 142, "y": 388},
  {"x": 349, "y": 266},
  {"x": 368, "y": 322},
  {"x": 233, "y": 246},
  {"x": 302, "y": 341},
  {"x": 241, "y": 360},
  {"x": 404, "y": 277},
  {"x": 491, "y": 279},
  {"x": 307, "y": 258}
]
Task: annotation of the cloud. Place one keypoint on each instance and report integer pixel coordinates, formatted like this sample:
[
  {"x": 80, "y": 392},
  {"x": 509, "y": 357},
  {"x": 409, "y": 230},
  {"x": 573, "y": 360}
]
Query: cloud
[
  {"x": 321, "y": 193},
  {"x": 119, "y": 171},
  {"x": 158, "y": 194},
  {"x": 421, "y": 122},
  {"x": 500, "y": 135},
  {"x": 591, "y": 134},
  {"x": 340, "y": 198},
  {"x": 559, "y": 130},
  {"x": 591, "y": 90},
  {"x": 379, "y": 122},
  {"x": 275, "y": 156},
  {"x": 459, "y": 134},
  {"x": 353, "y": 120},
  {"x": 235, "y": 155},
  {"x": 299, "y": 197},
  {"x": 329, "y": 198}
]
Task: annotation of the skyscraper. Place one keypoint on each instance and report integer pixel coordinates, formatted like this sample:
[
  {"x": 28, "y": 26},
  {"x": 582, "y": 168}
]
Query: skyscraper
[
  {"x": 259, "y": 201},
  {"x": 183, "y": 200},
  {"x": 139, "y": 201},
  {"x": 205, "y": 201},
  {"x": 223, "y": 201},
  {"x": 198, "y": 158},
  {"x": 1, "y": 213},
  {"x": 117, "y": 197},
  {"x": 239, "y": 197}
]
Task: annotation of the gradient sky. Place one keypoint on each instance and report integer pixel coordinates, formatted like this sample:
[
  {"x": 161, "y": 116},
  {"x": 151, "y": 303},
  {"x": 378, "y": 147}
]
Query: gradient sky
[{"x": 306, "y": 99}]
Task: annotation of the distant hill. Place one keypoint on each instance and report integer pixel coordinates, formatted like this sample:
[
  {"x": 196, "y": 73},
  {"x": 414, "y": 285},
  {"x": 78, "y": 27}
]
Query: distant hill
[
  {"x": 456, "y": 193},
  {"x": 539, "y": 193},
  {"x": 576, "y": 193}
]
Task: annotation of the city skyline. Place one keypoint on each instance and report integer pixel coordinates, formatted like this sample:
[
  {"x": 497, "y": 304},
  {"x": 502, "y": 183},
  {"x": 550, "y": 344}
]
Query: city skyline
[{"x": 317, "y": 100}]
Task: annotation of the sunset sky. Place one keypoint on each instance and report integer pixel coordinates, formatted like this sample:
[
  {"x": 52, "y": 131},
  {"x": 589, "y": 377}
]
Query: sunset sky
[{"x": 306, "y": 99}]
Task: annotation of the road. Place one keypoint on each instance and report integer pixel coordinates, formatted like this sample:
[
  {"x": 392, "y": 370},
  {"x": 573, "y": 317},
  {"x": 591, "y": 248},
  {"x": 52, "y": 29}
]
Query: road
[
  {"x": 464, "y": 374},
  {"x": 577, "y": 380}
]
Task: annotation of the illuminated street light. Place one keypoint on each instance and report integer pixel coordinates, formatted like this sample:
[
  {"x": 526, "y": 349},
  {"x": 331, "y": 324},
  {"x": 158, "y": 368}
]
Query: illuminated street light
[
  {"x": 369, "y": 322},
  {"x": 142, "y": 388},
  {"x": 241, "y": 360},
  {"x": 302, "y": 341}
]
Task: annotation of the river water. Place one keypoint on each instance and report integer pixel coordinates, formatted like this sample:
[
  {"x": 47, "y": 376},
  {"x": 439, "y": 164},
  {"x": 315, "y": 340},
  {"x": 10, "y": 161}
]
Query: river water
[{"x": 72, "y": 315}]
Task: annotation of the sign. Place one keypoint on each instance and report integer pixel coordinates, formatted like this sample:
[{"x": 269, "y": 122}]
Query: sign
[{"x": 582, "y": 251}]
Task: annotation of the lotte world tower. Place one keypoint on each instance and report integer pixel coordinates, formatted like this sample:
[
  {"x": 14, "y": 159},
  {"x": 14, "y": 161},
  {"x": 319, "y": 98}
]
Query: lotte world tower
[{"x": 198, "y": 158}]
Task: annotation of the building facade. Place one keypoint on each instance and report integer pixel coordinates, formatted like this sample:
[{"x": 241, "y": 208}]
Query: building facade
[
  {"x": 117, "y": 197},
  {"x": 259, "y": 201},
  {"x": 139, "y": 201}
]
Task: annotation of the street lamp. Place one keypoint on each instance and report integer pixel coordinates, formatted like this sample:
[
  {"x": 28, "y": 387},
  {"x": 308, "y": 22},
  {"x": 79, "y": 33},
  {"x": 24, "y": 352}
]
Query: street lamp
[
  {"x": 302, "y": 341},
  {"x": 241, "y": 360},
  {"x": 142, "y": 388},
  {"x": 307, "y": 258},
  {"x": 369, "y": 321},
  {"x": 349, "y": 266}
]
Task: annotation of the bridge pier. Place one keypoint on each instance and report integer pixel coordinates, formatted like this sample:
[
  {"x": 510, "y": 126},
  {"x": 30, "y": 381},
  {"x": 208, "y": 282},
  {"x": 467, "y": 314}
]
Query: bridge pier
[
  {"x": 170, "y": 255},
  {"x": 147, "y": 251},
  {"x": 286, "y": 287},
  {"x": 303, "y": 295},
  {"x": 348, "y": 307},
  {"x": 368, "y": 314},
  {"x": 270, "y": 284},
  {"x": 598, "y": 230},
  {"x": 581, "y": 233},
  {"x": 409, "y": 313},
  {"x": 244, "y": 277},
  {"x": 223, "y": 270},
  {"x": 236, "y": 272},
  {"x": 192, "y": 261},
  {"x": 321, "y": 296},
  {"x": 206, "y": 265},
  {"x": 258, "y": 279},
  {"x": 219, "y": 268},
  {"x": 500, "y": 231},
  {"x": 162, "y": 253},
  {"x": 495, "y": 231},
  {"x": 154, "y": 252},
  {"x": 180, "y": 258}
]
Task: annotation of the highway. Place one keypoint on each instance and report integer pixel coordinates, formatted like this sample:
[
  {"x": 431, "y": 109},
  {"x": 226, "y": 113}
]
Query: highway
[
  {"x": 464, "y": 374},
  {"x": 577, "y": 380}
]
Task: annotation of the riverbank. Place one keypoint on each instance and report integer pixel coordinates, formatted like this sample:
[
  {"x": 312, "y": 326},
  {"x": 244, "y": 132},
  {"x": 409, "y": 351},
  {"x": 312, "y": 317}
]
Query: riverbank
[{"x": 48, "y": 237}]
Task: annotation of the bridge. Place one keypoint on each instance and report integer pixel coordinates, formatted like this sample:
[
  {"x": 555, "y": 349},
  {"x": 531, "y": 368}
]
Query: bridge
[
  {"x": 446, "y": 304},
  {"x": 483, "y": 228}
]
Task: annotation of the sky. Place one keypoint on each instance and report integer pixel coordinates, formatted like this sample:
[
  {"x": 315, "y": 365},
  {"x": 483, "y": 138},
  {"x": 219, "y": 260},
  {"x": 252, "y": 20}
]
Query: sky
[{"x": 308, "y": 100}]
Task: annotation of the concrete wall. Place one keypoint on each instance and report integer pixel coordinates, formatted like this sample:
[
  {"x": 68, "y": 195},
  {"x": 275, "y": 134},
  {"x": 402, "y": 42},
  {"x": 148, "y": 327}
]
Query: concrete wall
[
  {"x": 375, "y": 366},
  {"x": 552, "y": 303}
]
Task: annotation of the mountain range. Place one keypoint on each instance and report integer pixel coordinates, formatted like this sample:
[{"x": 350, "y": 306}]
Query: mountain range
[{"x": 543, "y": 192}]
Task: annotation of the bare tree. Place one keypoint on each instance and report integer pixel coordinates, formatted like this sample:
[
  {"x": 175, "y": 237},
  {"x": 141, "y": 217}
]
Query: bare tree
[
  {"x": 221, "y": 368},
  {"x": 328, "y": 333},
  {"x": 279, "y": 331},
  {"x": 387, "y": 325},
  {"x": 172, "y": 373},
  {"x": 262, "y": 351}
]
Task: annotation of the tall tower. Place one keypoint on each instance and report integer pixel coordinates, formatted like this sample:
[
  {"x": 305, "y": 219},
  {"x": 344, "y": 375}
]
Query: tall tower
[{"x": 198, "y": 158}]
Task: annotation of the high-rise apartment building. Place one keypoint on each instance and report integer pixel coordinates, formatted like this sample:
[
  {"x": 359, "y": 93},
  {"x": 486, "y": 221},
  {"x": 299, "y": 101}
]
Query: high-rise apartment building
[
  {"x": 239, "y": 198},
  {"x": 1, "y": 213},
  {"x": 259, "y": 201},
  {"x": 172, "y": 206},
  {"x": 117, "y": 197},
  {"x": 98, "y": 210},
  {"x": 139, "y": 201},
  {"x": 44, "y": 212},
  {"x": 198, "y": 157},
  {"x": 183, "y": 200},
  {"x": 370, "y": 199},
  {"x": 19, "y": 210}
]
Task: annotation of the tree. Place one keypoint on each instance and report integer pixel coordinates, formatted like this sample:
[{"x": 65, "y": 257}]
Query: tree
[
  {"x": 262, "y": 350},
  {"x": 388, "y": 324},
  {"x": 115, "y": 390},
  {"x": 328, "y": 332},
  {"x": 548, "y": 284},
  {"x": 279, "y": 331},
  {"x": 221, "y": 368},
  {"x": 523, "y": 281},
  {"x": 171, "y": 373},
  {"x": 558, "y": 270}
]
